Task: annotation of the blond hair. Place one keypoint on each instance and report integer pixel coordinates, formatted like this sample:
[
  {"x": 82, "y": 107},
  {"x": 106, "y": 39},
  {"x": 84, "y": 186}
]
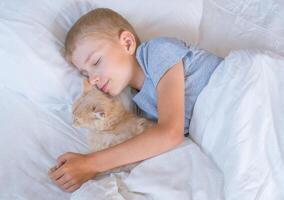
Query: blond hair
[{"x": 103, "y": 22}]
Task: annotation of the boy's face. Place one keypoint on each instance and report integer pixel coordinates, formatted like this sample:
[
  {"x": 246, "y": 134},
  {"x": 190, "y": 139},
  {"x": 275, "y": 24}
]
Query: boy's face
[{"x": 106, "y": 63}]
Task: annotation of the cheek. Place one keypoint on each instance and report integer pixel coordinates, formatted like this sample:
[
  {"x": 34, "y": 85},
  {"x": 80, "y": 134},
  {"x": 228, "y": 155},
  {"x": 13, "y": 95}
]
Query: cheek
[
  {"x": 112, "y": 71},
  {"x": 118, "y": 71},
  {"x": 104, "y": 69},
  {"x": 122, "y": 81}
]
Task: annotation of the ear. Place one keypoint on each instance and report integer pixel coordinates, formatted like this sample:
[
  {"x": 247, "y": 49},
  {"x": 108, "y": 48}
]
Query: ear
[
  {"x": 86, "y": 86},
  {"x": 127, "y": 40}
]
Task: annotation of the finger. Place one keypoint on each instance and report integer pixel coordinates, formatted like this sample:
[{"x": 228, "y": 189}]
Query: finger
[
  {"x": 63, "y": 158},
  {"x": 68, "y": 184},
  {"x": 73, "y": 188},
  {"x": 60, "y": 163},
  {"x": 57, "y": 173},
  {"x": 63, "y": 180},
  {"x": 52, "y": 169}
]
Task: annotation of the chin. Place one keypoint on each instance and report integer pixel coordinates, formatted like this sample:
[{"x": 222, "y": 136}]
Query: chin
[
  {"x": 115, "y": 91},
  {"x": 113, "y": 94}
]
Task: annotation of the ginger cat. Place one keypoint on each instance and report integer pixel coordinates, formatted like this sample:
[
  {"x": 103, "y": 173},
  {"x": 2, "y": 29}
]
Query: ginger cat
[{"x": 107, "y": 120}]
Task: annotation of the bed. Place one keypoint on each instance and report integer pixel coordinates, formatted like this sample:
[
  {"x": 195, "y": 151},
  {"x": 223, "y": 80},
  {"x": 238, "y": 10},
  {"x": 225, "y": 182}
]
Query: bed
[{"x": 236, "y": 144}]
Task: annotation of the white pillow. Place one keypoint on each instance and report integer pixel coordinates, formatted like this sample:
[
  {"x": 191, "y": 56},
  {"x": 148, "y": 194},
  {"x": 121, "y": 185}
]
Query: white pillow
[
  {"x": 232, "y": 24},
  {"x": 179, "y": 19},
  {"x": 31, "y": 36},
  {"x": 32, "y": 33}
]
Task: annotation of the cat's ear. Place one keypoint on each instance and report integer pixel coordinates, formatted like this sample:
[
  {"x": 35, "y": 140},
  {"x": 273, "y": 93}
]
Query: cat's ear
[{"x": 86, "y": 86}]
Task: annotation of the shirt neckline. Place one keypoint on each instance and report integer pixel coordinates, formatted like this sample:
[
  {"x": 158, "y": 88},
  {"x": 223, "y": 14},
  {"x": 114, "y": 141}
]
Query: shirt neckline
[{"x": 145, "y": 75}]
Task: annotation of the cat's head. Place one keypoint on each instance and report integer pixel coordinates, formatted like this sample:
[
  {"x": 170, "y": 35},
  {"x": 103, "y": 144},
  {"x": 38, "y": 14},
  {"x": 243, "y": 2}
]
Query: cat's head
[{"x": 96, "y": 110}]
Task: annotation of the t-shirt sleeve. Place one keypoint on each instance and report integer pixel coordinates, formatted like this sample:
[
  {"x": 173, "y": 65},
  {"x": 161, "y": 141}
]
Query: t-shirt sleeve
[{"x": 158, "y": 55}]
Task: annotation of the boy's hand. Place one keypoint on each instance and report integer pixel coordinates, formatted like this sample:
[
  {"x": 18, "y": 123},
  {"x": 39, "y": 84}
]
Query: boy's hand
[{"x": 72, "y": 170}]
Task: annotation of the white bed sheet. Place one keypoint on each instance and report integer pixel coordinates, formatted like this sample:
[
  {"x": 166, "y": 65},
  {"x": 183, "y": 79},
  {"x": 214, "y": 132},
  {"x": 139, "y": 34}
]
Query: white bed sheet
[{"x": 233, "y": 24}]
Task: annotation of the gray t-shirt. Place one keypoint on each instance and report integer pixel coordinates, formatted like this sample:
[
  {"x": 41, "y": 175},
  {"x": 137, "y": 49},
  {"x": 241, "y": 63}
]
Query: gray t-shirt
[{"x": 158, "y": 55}]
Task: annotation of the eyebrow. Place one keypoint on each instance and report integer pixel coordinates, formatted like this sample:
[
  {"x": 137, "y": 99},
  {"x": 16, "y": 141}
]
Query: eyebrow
[{"x": 89, "y": 56}]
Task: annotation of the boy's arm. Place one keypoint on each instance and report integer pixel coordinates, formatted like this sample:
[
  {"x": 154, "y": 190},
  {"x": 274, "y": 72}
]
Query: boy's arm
[{"x": 155, "y": 140}]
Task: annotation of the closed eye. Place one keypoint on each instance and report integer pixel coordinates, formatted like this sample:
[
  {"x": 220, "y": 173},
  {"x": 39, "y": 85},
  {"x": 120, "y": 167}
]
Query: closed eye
[
  {"x": 84, "y": 73},
  {"x": 98, "y": 61}
]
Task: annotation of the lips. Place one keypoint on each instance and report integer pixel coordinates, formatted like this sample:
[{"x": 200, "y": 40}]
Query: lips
[{"x": 104, "y": 87}]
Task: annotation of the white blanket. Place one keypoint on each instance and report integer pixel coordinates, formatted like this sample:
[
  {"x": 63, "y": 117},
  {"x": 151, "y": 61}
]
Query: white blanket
[
  {"x": 238, "y": 121},
  {"x": 183, "y": 173}
]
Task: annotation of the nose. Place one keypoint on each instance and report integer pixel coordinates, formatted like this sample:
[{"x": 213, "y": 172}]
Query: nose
[{"x": 94, "y": 79}]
